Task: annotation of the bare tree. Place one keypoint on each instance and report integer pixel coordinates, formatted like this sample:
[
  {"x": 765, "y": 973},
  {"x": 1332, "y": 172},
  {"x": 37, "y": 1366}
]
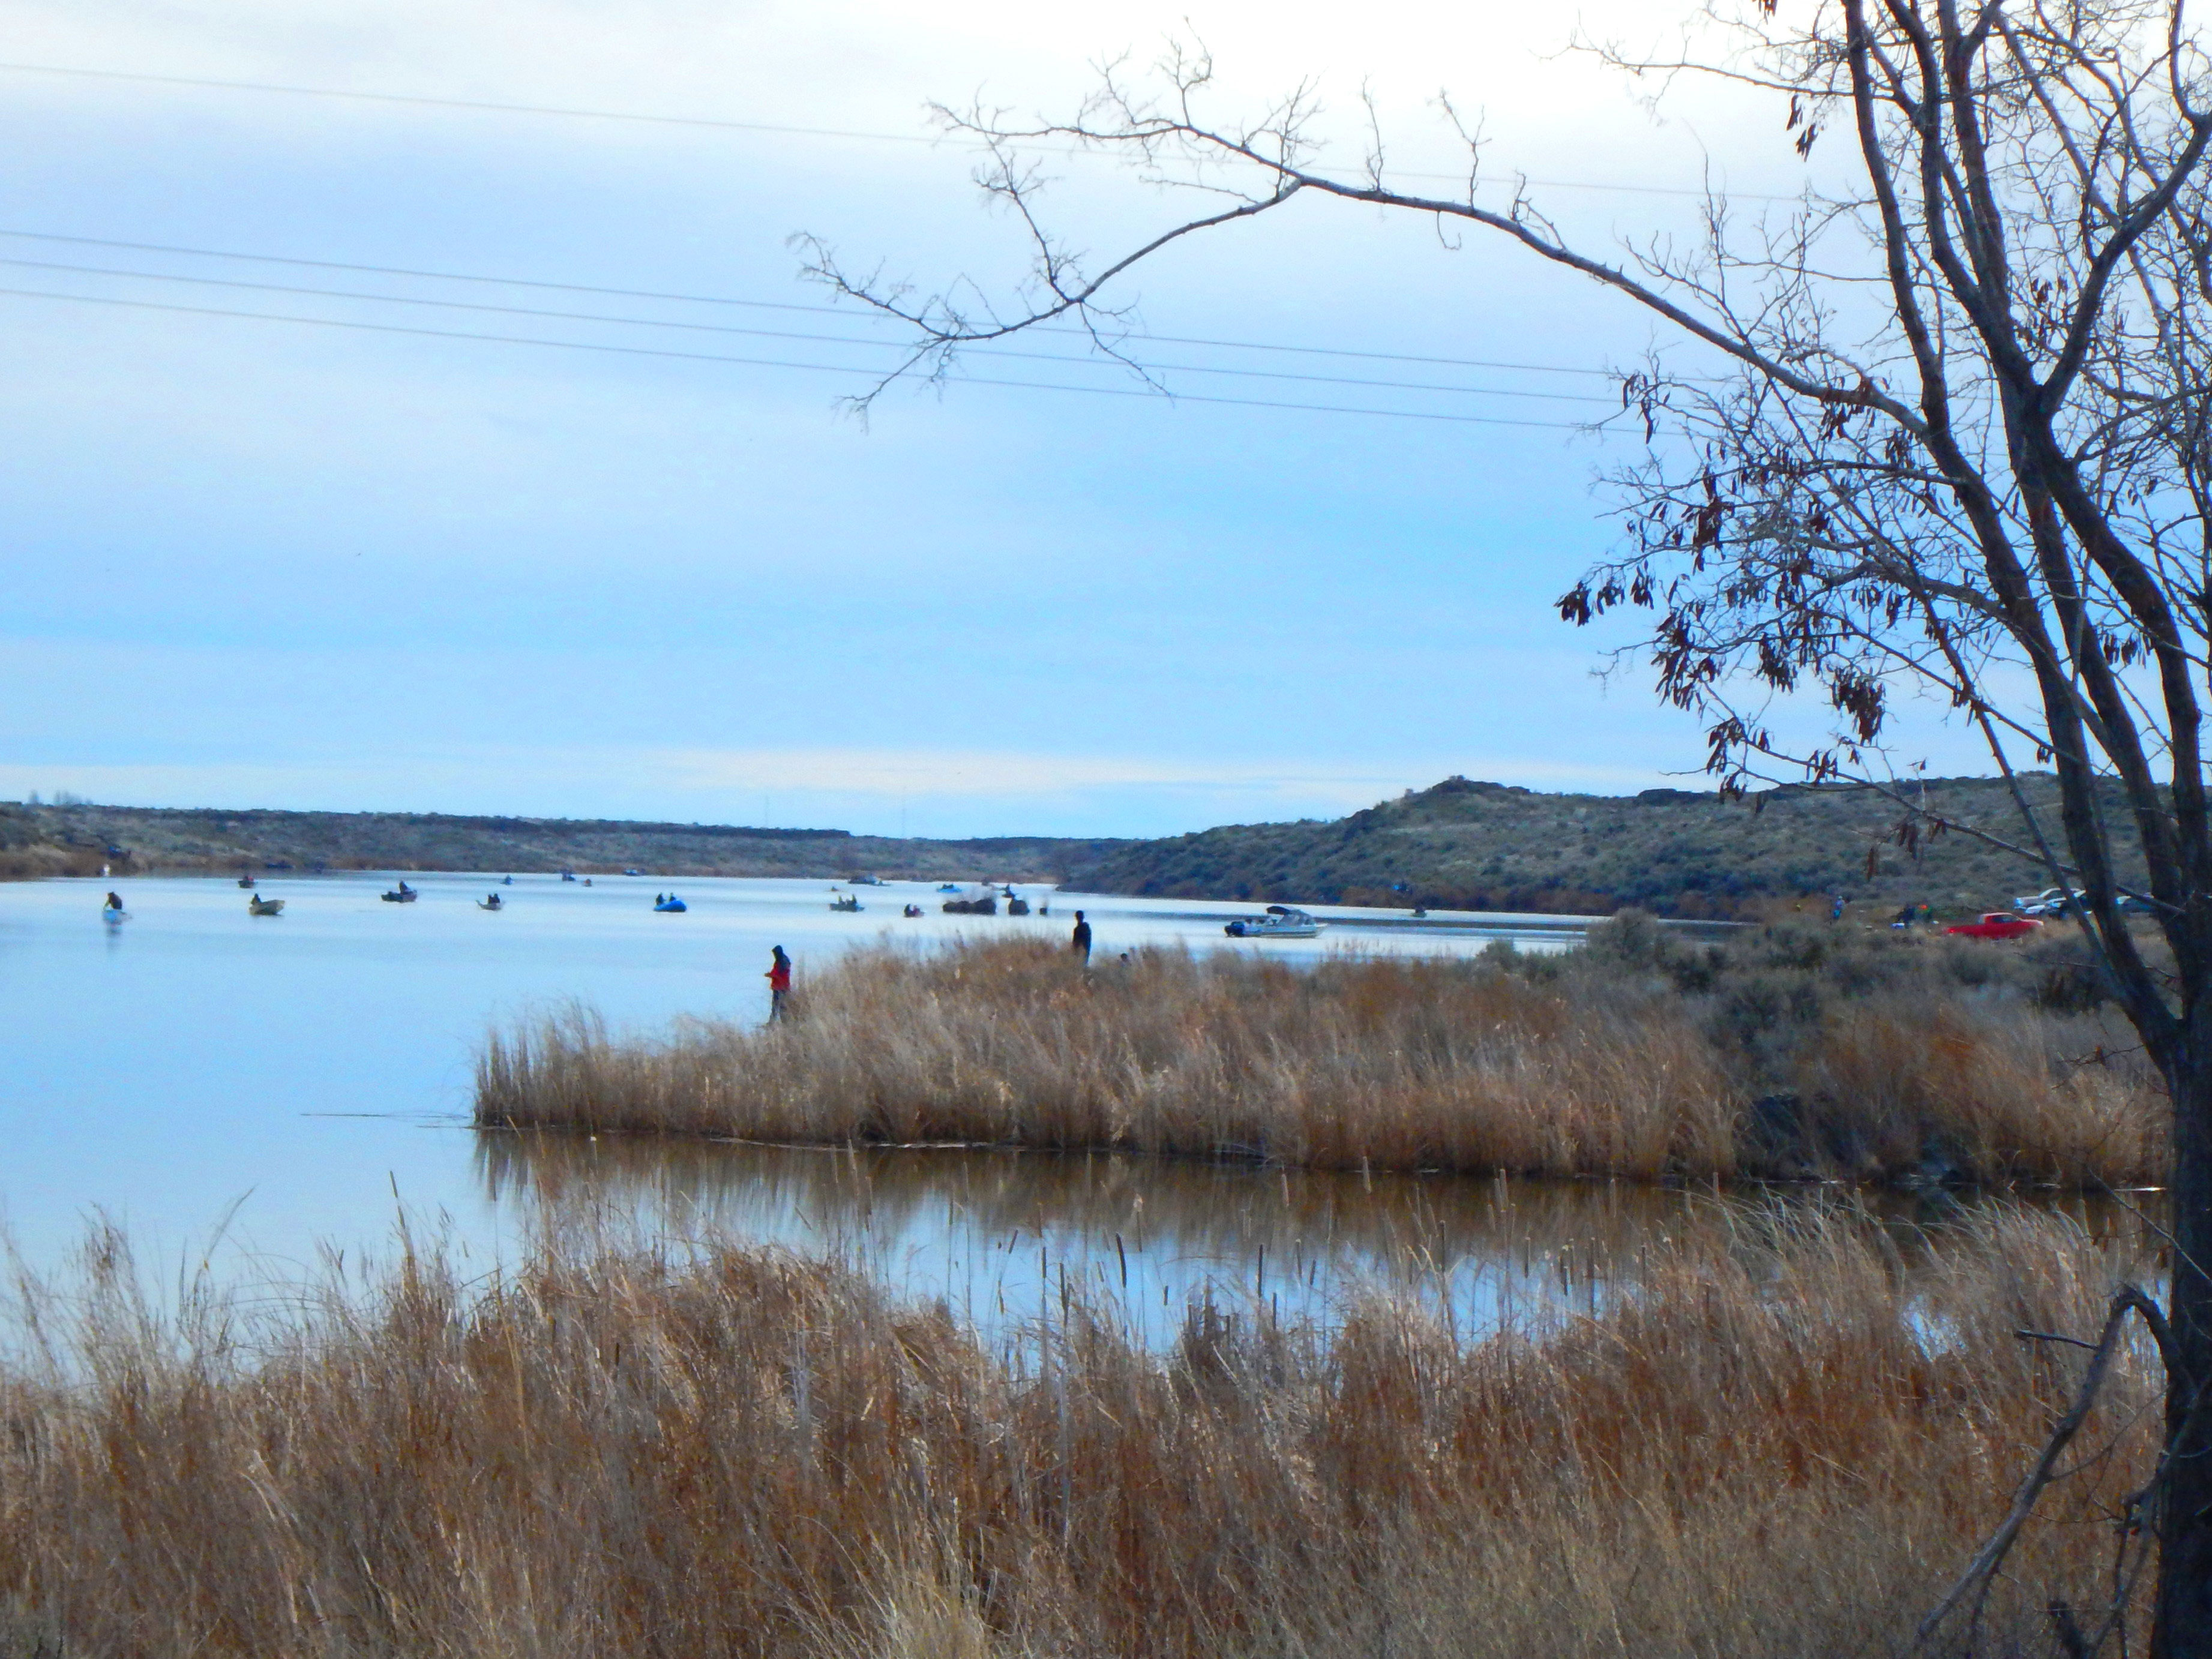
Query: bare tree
[{"x": 1951, "y": 437}]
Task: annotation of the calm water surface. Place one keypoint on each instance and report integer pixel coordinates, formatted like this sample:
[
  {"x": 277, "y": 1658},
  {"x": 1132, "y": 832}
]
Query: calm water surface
[{"x": 307, "y": 1076}]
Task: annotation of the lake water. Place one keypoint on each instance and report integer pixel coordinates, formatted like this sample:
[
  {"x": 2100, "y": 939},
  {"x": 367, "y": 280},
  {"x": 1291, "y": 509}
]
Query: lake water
[{"x": 308, "y": 1077}]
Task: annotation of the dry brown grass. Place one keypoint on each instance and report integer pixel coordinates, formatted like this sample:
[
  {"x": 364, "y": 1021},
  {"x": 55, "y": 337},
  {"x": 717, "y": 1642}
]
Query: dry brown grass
[
  {"x": 1769, "y": 1449},
  {"x": 1383, "y": 1064}
]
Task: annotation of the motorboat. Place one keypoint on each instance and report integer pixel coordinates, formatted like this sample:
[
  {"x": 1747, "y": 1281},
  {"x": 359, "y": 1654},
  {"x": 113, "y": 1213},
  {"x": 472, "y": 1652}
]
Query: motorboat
[
  {"x": 260, "y": 906},
  {"x": 403, "y": 894},
  {"x": 674, "y": 906},
  {"x": 1281, "y": 921},
  {"x": 633, "y": 872},
  {"x": 246, "y": 881},
  {"x": 864, "y": 881},
  {"x": 492, "y": 903}
]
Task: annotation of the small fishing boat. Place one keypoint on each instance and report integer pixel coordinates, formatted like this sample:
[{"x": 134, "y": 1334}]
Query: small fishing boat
[
  {"x": 492, "y": 903},
  {"x": 246, "y": 881},
  {"x": 986, "y": 906},
  {"x": 568, "y": 875},
  {"x": 864, "y": 881},
  {"x": 403, "y": 894},
  {"x": 633, "y": 872},
  {"x": 672, "y": 906},
  {"x": 949, "y": 887},
  {"x": 506, "y": 881},
  {"x": 260, "y": 906},
  {"x": 846, "y": 903},
  {"x": 1281, "y": 922},
  {"x": 913, "y": 910}
]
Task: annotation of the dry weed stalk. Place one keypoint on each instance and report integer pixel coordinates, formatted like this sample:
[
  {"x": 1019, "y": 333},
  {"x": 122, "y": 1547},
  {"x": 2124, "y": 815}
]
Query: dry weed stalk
[{"x": 1772, "y": 1448}]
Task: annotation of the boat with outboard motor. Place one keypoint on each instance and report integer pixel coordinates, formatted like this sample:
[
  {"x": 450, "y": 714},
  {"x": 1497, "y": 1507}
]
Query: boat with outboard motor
[
  {"x": 258, "y": 906},
  {"x": 492, "y": 903},
  {"x": 1281, "y": 921},
  {"x": 402, "y": 894}
]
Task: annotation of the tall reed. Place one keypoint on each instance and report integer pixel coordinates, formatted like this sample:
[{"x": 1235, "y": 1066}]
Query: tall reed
[
  {"x": 1383, "y": 1064},
  {"x": 1771, "y": 1449}
]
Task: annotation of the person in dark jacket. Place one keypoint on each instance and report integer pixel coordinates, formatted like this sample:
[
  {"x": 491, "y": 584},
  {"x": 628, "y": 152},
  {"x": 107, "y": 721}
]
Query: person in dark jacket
[
  {"x": 1079, "y": 941},
  {"x": 778, "y": 984}
]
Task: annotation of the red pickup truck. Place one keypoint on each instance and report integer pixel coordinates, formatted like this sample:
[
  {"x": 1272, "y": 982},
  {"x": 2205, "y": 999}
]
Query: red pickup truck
[{"x": 1997, "y": 924}]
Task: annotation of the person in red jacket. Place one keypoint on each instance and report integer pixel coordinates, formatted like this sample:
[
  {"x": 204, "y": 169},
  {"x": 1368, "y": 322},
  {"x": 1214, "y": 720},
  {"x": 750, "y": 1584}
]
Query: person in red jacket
[{"x": 778, "y": 984}]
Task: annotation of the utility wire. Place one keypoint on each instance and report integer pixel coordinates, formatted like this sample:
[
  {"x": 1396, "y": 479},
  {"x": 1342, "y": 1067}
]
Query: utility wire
[
  {"x": 784, "y": 334},
  {"x": 770, "y": 362},
  {"x": 483, "y": 106},
  {"x": 767, "y": 305}
]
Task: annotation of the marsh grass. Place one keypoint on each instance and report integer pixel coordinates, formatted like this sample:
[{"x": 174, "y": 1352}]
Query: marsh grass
[
  {"x": 1629, "y": 1059},
  {"x": 1773, "y": 1448}
]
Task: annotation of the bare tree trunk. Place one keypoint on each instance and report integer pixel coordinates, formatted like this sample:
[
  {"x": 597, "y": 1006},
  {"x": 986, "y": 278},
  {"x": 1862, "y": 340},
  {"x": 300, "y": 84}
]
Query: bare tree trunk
[{"x": 2183, "y": 1625}]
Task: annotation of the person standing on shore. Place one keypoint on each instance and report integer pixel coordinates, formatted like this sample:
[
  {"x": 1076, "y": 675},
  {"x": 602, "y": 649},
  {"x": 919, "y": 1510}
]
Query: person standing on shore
[
  {"x": 779, "y": 985},
  {"x": 1079, "y": 941}
]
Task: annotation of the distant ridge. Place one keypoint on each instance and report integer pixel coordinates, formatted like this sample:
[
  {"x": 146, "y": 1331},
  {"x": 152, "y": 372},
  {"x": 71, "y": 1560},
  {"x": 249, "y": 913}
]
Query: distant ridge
[
  {"x": 1679, "y": 852},
  {"x": 76, "y": 839}
]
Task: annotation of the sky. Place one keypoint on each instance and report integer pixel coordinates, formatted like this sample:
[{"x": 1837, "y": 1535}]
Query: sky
[{"x": 258, "y": 562}]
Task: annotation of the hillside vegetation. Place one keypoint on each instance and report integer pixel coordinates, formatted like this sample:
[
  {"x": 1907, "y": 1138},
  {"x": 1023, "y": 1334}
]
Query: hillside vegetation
[
  {"x": 78, "y": 839},
  {"x": 1682, "y": 853}
]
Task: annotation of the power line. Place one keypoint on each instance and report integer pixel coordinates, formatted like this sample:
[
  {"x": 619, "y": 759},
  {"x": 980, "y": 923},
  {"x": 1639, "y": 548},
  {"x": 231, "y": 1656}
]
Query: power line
[
  {"x": 767, "y": 305},
  {"x": 487, "y": 107},
  {"x": 785, "y": 334},
  {"x": 769, "y": 362}
]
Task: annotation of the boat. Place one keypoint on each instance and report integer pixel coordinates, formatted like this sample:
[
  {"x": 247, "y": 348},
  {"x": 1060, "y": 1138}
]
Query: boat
[
  {"x": 986, "y": 906},
  {"x": 672, "y": 906},
  {"x": 949, "y": 887},
  {"x": 568, "y": 875},
  {"x": 113, "y": 917},
  {"x": 260, "y": 906},
  {"x": 864, "y": 881},
  {"x": 493, "y": 902},
  {"x": 633, "y": 872},
  {"x": 848, "y": 904},
  {"x": 913, "y": 910},
  {"x": 506, "y": 881},
  {"x": 246, "y": 881},
  {"x": 1281, "y": 922},
  {"x": 403, "y": 894}
]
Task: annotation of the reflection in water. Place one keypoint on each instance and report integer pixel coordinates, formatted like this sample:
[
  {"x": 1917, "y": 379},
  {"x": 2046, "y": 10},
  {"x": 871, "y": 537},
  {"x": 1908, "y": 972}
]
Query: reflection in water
[{"x": 998, "y": 1233}]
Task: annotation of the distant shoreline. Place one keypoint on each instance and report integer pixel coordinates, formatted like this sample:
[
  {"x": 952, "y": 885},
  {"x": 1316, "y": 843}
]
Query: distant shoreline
[{"x": 1460, "y": 845}]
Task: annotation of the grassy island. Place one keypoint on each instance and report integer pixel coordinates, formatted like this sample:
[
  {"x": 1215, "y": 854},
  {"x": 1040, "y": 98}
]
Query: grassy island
[{"x": 1789, "y": 1051}]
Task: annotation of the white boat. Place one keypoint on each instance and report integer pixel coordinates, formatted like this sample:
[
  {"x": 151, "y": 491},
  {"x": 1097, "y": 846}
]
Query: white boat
[{"x": 1281, "y": 922}]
